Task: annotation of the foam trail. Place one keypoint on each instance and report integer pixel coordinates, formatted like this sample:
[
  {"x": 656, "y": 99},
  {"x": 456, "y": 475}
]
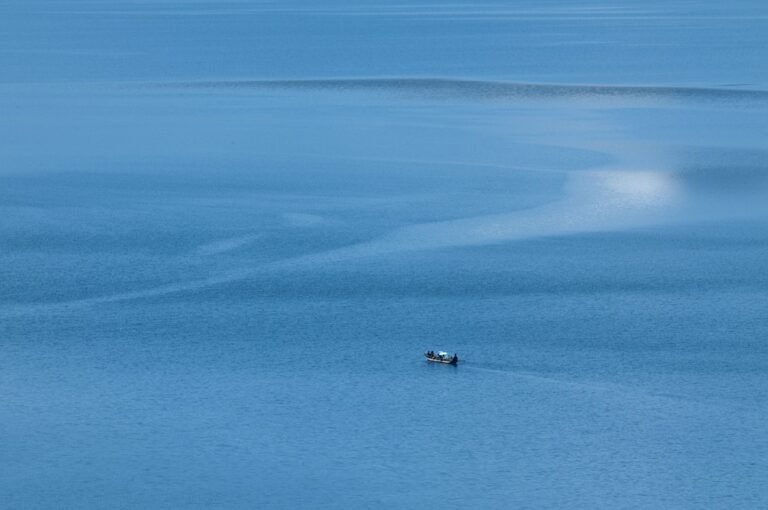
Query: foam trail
[
  {"x": 224, "y": 245},
  {"x": 595, "y": 201},
  {"x": 162, "y": 290}
]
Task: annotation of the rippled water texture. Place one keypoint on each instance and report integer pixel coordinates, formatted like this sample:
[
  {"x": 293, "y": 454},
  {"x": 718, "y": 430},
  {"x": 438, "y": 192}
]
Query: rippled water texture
[{"x": 229, "y": 230}]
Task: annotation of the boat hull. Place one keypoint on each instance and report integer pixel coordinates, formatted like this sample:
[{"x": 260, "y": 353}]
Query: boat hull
[{"x": 442, "y": 361}]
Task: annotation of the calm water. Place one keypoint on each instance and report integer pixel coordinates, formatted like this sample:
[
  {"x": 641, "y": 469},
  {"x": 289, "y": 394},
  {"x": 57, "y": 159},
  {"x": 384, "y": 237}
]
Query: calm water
[{"x": 229, "y": 230}]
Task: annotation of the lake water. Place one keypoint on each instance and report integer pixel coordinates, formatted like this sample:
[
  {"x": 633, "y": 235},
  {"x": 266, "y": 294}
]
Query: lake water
[{"x": 228, "y": 232}]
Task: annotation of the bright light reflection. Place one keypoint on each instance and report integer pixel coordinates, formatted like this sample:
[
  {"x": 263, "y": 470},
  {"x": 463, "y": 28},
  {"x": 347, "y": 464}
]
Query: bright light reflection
[{"x": 638, "y": 187}]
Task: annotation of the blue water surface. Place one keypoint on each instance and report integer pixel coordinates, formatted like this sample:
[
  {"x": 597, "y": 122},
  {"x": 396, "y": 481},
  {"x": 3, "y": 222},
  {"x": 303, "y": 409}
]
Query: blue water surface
[{"x": 228, "y": 230}]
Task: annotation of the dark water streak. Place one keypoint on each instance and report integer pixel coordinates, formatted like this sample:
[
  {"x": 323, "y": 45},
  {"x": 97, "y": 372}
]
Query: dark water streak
[{"x": 484, "y": 90}]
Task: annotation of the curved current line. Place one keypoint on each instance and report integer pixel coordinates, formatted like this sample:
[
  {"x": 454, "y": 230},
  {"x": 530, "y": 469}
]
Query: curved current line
[
  {"x": 483, "y": 89},
  {"x": 594, "y": 201}
]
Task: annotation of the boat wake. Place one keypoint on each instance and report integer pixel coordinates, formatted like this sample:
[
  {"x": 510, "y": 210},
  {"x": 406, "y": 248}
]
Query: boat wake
[{"x": 600, "y": 389}]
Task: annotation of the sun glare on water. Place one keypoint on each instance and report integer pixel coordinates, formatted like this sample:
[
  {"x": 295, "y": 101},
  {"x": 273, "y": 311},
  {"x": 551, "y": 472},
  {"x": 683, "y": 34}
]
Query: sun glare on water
[{"x": 638, "y": 187}]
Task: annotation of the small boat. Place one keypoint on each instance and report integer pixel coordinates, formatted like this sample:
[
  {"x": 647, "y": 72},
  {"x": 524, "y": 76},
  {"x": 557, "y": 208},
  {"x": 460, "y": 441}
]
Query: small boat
[{"x": 441, "y": 357}]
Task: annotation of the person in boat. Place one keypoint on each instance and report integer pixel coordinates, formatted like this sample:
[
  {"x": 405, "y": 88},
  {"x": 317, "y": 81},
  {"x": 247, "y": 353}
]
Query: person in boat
[{"x": 455, "y": 358}]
